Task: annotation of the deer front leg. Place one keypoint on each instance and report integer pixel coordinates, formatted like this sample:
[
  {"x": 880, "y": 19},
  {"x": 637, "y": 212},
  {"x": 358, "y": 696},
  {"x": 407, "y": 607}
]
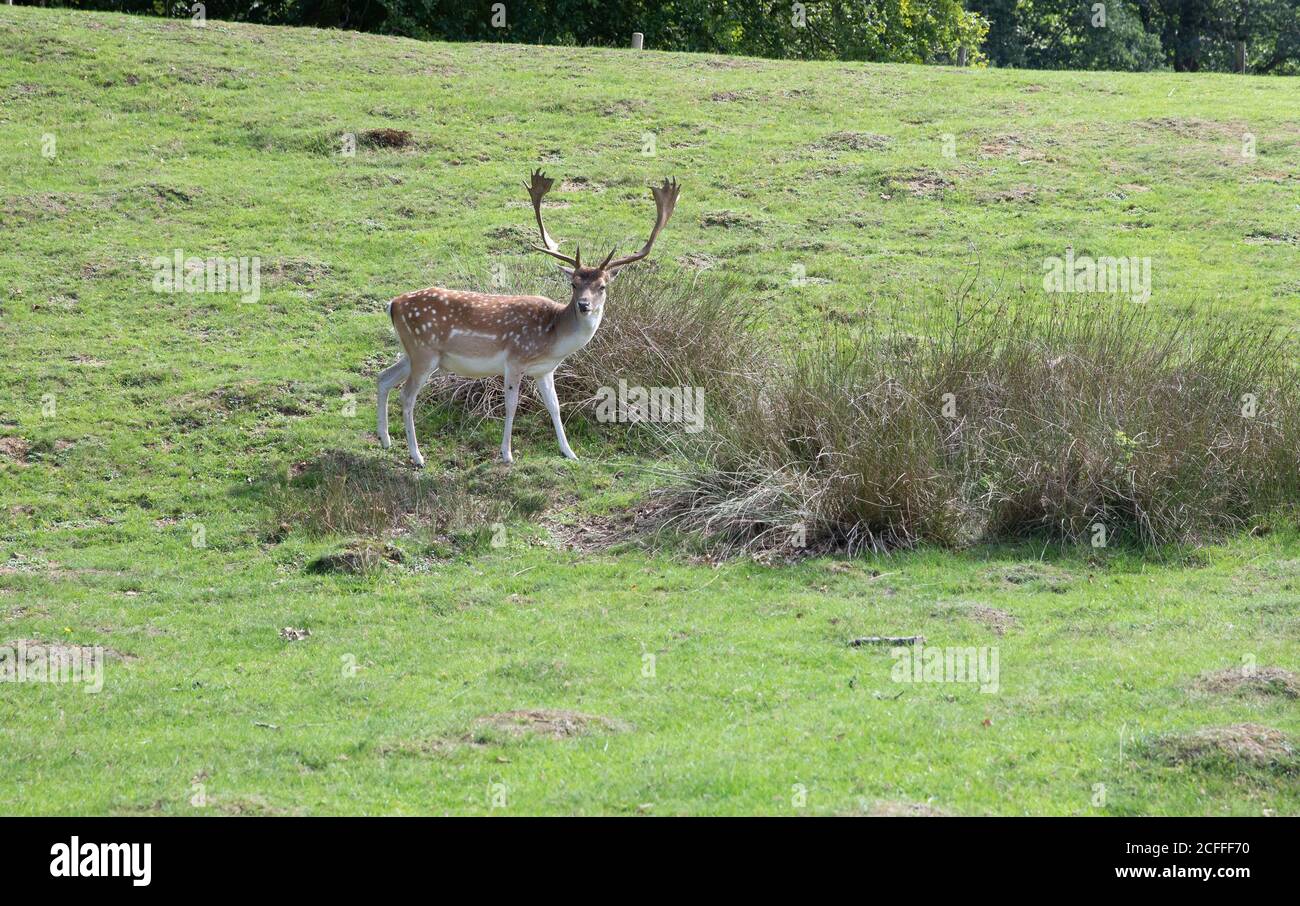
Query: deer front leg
[
  {"x": 546, "y": 388},
  {"x": 419, "y": 373},
  {"x": 512, "y": 379}
]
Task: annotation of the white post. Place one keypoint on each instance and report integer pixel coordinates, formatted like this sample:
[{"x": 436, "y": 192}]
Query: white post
[{"x": 638, "y": 39}]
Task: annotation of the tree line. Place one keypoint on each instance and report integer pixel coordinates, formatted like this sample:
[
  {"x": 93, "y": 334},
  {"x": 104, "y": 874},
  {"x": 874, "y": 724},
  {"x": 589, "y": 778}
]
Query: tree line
[{"x": 1182, "y": 35}]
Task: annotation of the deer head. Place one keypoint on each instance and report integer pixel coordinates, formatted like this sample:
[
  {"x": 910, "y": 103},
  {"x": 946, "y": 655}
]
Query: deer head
[{"x": 590, "y": 283}]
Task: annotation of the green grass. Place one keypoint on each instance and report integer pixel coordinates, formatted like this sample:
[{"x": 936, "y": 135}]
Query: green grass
[{"x": 131, "y": 417}]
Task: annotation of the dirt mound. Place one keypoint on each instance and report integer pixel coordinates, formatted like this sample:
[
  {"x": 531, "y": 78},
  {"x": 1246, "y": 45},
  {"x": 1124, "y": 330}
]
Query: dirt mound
[
  {"x": 14, "y": 448},
  {"x": 357, "y": 558},
  {"x": 387, "y": 138},
  {"x": 1249, "y": 744},
  {"x": 1261, "y": 680}
]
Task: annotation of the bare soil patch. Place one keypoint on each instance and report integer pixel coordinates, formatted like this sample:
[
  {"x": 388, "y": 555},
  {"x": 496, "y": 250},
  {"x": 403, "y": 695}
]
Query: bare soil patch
[
  {"x": 996, "y": 619},
  {"x": 593, "y": 534},
  {"x": 1010, "y": 146},
  {"x": 853, "y": 141},
  {"x": 728, "y": 220},
  {"x": 897, "y": 808},
  {"x": 1022, "y": 193},
  {"x": 387, "y": 138},
  {"x": 726, "y": 97},
  {"x": 556, "y": 724},
  {"x": 35, "y": 648},
  {"x": 15, "y": 448},
  {"x": 920, "y": 183},
  {"x": 1033, "y": 577},
  {"x": 581, "y": 184},
  {"x": 1193, "y": 127}
]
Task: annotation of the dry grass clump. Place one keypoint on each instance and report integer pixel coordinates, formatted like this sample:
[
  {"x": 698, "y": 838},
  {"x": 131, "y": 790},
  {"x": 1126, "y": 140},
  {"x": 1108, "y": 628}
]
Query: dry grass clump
[{"x": 1003, "y": 422}]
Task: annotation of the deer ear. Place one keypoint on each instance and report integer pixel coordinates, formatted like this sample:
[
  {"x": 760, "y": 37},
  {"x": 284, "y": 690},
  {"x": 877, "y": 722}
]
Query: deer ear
[{"x": 568, "y": 271}]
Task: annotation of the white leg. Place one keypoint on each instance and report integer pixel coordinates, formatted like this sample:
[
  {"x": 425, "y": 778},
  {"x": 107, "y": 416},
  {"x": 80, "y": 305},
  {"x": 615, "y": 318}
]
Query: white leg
[
  {"x": 388, "y": 379},
  {"x": 546, "y": 388},
  {"x": 410, "y": 391},
  {"x": 513, "y": 379}
]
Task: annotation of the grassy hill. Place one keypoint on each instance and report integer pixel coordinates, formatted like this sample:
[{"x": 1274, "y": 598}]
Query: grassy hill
[{"x": 166, "y": 459}]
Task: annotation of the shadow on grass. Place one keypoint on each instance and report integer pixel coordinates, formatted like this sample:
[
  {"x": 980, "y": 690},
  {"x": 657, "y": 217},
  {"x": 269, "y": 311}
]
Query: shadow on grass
[{"x": 375, "y": 495}]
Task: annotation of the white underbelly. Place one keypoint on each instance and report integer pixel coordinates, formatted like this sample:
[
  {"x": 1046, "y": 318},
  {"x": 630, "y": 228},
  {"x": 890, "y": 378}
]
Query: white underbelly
[
  {"x": 537, "y": 369},
  {"x": 474, "y": 366}
]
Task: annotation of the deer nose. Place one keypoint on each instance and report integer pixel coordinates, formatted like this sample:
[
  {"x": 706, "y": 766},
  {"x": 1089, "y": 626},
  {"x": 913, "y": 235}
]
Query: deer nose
[{"x": 584, "y": 307}]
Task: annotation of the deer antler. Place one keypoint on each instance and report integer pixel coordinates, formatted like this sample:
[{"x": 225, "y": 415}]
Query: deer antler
[
  {"x": 665, "y": 202},
  {"x": 537, "y": 189}
]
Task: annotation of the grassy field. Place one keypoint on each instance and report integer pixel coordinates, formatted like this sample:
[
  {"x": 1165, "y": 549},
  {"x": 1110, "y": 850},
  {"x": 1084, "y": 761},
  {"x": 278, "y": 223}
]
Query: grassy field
[{"x": 153, "y": 447}]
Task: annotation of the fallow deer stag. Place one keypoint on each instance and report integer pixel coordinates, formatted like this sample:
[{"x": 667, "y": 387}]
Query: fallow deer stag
[{"x": 477, "y": 335}]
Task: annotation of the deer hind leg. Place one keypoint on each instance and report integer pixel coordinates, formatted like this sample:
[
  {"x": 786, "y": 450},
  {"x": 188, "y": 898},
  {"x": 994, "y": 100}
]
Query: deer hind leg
[
  {"x": 546, "y": 389},
  {"x": 420, "y": 371},
  {"x": 389, "y": 378}
]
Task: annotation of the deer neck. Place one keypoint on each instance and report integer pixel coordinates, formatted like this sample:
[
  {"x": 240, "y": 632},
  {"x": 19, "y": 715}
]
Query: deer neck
[{"x": 574, "y": 330}]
